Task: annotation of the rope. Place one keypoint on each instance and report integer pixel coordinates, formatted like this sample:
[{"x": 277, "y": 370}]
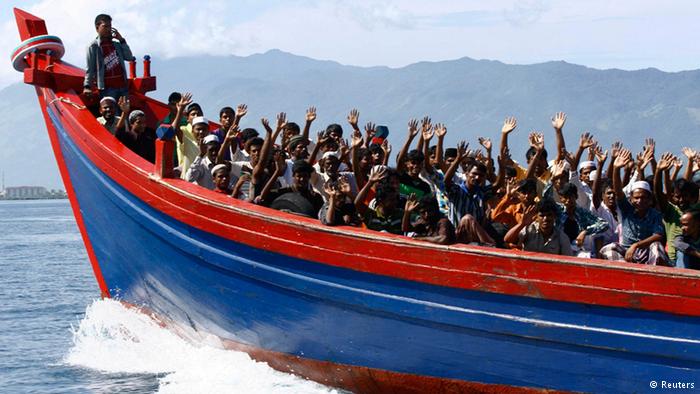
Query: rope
[{"x": 65, "y": 100}]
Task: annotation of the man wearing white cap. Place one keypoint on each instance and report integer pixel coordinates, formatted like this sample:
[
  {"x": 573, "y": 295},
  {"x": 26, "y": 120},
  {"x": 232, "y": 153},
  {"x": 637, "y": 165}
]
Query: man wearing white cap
[
  {"x": 642, "y": 226},
  {"x": 199, "y": 171},
  {"x": 138, "y": 137},
  {"x": 108, "y": 110}
]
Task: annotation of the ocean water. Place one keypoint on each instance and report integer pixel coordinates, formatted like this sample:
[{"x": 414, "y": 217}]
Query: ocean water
[{"x": 56, "y": 336}]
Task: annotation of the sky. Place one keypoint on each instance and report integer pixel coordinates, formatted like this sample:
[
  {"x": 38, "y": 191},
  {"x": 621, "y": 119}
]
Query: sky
[{"x": 602, "y": 34}]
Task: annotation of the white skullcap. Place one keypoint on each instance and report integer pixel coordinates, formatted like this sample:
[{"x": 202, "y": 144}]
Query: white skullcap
[
  {"x": 211, "y": 138},
  {"x": 641, "y": 185},
  {"x": 108, "y": 98},
  {"x": 200, "y": 119},
  {"x": 217, "y": 168},
  {"x": 586, "y": 164},
  {"x": 330, "y": 154},
  {"x": 593, "y": 175}
]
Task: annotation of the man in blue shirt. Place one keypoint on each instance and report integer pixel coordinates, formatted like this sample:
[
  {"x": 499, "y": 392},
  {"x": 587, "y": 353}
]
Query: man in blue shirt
[{"x": 642, "y": 226}]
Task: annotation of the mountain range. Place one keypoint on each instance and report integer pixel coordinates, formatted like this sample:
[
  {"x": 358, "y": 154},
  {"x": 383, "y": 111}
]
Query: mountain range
[{"x": 472, "y": 97}]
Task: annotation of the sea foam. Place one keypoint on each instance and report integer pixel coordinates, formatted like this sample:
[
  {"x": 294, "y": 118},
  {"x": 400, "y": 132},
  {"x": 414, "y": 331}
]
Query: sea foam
[{"x": 112, "y": 338}]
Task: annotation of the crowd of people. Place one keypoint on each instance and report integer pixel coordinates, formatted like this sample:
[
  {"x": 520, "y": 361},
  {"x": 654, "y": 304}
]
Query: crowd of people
[{"x": 587, "y": 201}]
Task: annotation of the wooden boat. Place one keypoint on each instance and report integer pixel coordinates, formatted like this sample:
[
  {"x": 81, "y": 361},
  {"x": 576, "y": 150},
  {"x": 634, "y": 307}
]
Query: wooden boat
[{"x": 350, "y": 308}]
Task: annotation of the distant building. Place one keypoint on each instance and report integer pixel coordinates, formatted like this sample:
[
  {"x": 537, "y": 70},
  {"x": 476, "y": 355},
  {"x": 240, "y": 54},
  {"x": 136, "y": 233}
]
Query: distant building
[{"x": 26, "y": 192}]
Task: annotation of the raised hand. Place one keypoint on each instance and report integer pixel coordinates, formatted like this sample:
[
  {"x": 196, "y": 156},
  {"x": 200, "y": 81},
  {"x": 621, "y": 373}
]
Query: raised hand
[
  {"x": 649, "y": 145},
  {"x": 377, "y": 174},
  {"x": 124, "y": 105},
  {"x": 623, "y": 158},
  {"x": 504, "y": 158},
  {"x": 311, "y": 114},
  {"x": 558, "y": 168},
  {"x": 462, "y": 150},
  {"x": 426, "y": 123},
  {"x": 666, "y": 161},
  {"x": 232, "y": 133},
  {"x": 357, "y": 139},
  {"x": 486, "y": 143},
  {"x": 322, "y": 138},
  {"x": 386, "y": 147},
  {"x": 647, "y": 156},
  {"x": 185, "y": 100},
  {"x": 241, "y": 111},
  {"x": 600, "y": 155},
  {"x": 411, "y": 203},
  {"x": 281, "y": 120},
  {"x": 536, "y": 140},
  {"x": 615, "y": 149},
  {"x": 440, "y": 130},
  {"x": 586, "y": 140},
  {"x": 689, "y": 152},
  {"x": 509, "y": 125},
  {"x": 370, "y": 131},
  {"x": 266, "y": 124},
  {"x": 678, "y": 163},
  {"x": 427, "y": 133},
  {"x": 558, "y": 120},
  {"x": 353, "y": 118},
  {"x": 412, "y": 128},
  {"x": 344, "y": 149},
  {"x": 529, "y": 214}
]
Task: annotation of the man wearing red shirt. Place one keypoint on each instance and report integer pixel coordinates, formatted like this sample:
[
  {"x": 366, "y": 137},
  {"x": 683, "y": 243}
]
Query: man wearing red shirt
[{"x": 105, "y": 61}]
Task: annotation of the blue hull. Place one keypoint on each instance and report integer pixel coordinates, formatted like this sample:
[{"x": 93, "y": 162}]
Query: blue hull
[{"x": 282, "y": 304}]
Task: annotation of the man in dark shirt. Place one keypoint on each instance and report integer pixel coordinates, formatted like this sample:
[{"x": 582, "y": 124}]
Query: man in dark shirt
[
  {"x": 139, "y": 138},
  {"x": 299, "y": 197},
  {"x": 431, "y": 225},
  {"x": 688, "y": 244}
]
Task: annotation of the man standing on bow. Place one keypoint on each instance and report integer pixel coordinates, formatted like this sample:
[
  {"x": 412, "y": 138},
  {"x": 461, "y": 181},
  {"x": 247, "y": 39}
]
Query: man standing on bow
[{"x": 105, "y": 61}]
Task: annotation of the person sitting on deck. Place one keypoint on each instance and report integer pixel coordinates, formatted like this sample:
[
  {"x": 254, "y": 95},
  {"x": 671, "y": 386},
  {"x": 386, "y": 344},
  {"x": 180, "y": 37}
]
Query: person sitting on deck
[
  {"x": 138, "y": 137},
  {"x": 221, "y": 174},
  {"x": 299, "y": 198},
  {"x": 108, "y": 110},
  {"x": 684, "y": 192},
  {"x": 510, "y": 209},
  {"x": 542, "y": 234},
  {"x": 339, "y": 209},
  {"x": 409, "y": 164},
  {"x": 385, "y": 214},
  {"x": 105, "y": 61},
  {"x": 688, "y": 243},
  {"x": 584, "y": 229},
  {"x": 228, "y": 133},
  {"x": 642, "y": 226},
  {"x": 200, "y": 170},
  {"x": 431, "y": 225}
]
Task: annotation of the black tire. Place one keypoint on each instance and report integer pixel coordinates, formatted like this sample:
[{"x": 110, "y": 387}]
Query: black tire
[{"x": 294, "y": 203}]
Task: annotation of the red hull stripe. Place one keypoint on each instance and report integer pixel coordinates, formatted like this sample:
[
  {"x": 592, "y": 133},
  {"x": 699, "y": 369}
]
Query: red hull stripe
[
  {"x": 473, "y": 268},
  {"x": 104, "y": 289}
]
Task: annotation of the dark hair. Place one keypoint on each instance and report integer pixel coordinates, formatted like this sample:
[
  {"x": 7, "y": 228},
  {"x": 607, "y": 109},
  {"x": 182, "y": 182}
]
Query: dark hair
[
  {"x": 432, "y": 149},
  {"x": 194, "y": 106},
  {"x": 479, "y": 166},
  {"x": 686, "y": 187},
  {"x": 450, "y": 152},
  {"x": 248, "y": 133},
  {"x": 364, "y": 152},
  {"x": 694, "y": 213},
  {"x": 527, "y": 186},
  {"x": 102, "y": 18},
  {"x": 383, "y": 190},
  {"x": 430, "y": 204},
  {"x": 415, "y": 155},
  {"x": 606, "y": 183},
  {"x": 375, "y": 148},
  {"x": 302, "y": 166},
  {"x": 222, "y": 111},
  {"x": 255, "y": 141},
  {"x": 532, "y": 152},
  {"x": 293, "y": 127},
  {"x": 547, "y": 206},
  {"x": 174, "y": 98},
  {"x": 334, "y": 128},
  {"x": 569, "y": 190},
  {"x": 510, "y": 172}
]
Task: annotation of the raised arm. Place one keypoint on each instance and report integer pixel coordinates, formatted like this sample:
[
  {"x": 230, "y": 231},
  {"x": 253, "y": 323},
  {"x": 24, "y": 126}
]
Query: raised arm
[
  {"x": 664, "y": 165},
  {"x": 624, "y": 157},
  {"x": 181, "y": 105},
  {"x": 601, "y": 157},
  {"x": 508, "y": 126},
  {"x": 512, "y": 235},
  {"x": 440, "y": 132},
  {"x": 310, "y": 117},
  {"x": 691, "y": 154},
  {"x": 461, "y": 155},
  {"x": 356, "y": 145},
  {"x": 491, "y": 170},
  {"x": 427, "y": 135},
  {"x": 270, "y": 139},
  {"x": 241, "y": 111},
  {"x": 374, "y": 177},
  {"x": 279, "y": 165},
  {"x": 411, "y": 205},
  {"x": 585, "y": 142},
  {"x": 231, "y": 135},
  {"x": 412, "y": 133},
  {"x": 124, "y": 105},
  {"x": 370, "y": 132},
  {"x": 425, "y": 124},
  {"x": 386, "y": 147},
  {"x": 536, "y": 140},
  {"x": 677, "y": 165},
  {"x": 558, "y": 121}
]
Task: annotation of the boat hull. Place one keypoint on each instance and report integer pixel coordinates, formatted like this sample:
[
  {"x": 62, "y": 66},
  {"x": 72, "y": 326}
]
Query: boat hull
[{"x": 353, "y": 329}]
